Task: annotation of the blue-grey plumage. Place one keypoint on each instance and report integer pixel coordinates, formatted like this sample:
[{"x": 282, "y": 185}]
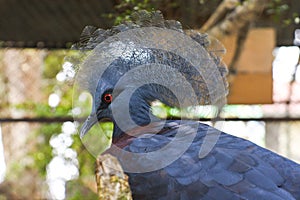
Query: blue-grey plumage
[
  {"x": 125, "y": 75},
  {"x": 234, "y": 169}
]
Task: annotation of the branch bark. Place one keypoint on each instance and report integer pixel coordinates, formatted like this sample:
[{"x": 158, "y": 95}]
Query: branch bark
[
  {"x": 240, "y": 43},
  {"x": 237, "y": 22},
  {"x": 221, "y": 11},
  {"x": 242, "y": 14},
  {"x": 112, "y": 183}
]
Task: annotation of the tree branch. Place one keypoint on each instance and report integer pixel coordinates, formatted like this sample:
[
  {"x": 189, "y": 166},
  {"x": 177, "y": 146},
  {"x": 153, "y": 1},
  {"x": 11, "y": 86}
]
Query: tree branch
[
  {"x": 240, "y": 43},
  {"x": 221, "y": 11},
  {"x": 244, "y": 13}
]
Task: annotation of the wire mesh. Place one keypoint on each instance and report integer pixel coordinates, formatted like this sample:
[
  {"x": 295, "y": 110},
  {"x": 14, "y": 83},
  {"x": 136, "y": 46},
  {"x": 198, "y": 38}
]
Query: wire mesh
[{"x": 28, "y": 77}]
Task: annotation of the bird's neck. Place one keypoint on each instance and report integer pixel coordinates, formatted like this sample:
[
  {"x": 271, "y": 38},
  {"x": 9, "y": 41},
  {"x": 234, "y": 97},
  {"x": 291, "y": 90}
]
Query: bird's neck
[{"x": 140, "y": 115}]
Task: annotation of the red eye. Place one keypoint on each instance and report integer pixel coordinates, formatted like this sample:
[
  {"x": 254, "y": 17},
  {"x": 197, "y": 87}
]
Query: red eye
[{"x": 107, "y": 98}]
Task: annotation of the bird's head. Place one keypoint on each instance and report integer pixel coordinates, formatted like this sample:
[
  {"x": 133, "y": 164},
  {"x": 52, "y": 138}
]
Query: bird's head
[
  {"x": 134, "y": 64},
  {"x": 122, "y": 94}
]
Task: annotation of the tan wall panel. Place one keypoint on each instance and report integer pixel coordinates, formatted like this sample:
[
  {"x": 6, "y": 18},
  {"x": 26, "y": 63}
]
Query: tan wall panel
[
  {"x": 257, "y": 54},
  {"x": 251, "y": 88},
  {"x": 253, "y": 82}
]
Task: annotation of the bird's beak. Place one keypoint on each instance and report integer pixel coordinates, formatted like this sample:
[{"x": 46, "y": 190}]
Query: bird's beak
[{"x": 88, "y": 124}]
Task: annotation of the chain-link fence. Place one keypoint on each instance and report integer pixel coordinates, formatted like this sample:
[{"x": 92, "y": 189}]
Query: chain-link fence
[{"x": 38, "y": 131}]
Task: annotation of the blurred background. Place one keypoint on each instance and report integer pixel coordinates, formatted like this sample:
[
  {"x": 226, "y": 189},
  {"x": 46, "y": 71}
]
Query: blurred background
[{"x": 41, "y": 155}]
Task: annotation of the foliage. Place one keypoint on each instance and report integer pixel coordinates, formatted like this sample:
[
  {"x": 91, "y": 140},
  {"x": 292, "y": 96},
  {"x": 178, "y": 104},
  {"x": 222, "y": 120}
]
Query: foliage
[
  {"x": 280, "y": 12},
  {"x": 52, "y": 64},
  {"x": 42, "y": 153},
  {"x": 276, "y": 9},
  {"x": 77, "y": 189},
  {"x": 125, "y": 8}
]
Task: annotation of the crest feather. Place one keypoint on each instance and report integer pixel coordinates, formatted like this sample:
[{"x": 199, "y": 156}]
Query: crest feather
[{"x": 107, "y": 45}]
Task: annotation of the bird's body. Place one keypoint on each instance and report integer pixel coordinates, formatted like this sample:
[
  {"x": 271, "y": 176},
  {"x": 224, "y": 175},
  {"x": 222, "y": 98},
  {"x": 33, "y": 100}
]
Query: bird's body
[
  {"x": 152, "y": 59},
  {"x": 234, "y": 169}
]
